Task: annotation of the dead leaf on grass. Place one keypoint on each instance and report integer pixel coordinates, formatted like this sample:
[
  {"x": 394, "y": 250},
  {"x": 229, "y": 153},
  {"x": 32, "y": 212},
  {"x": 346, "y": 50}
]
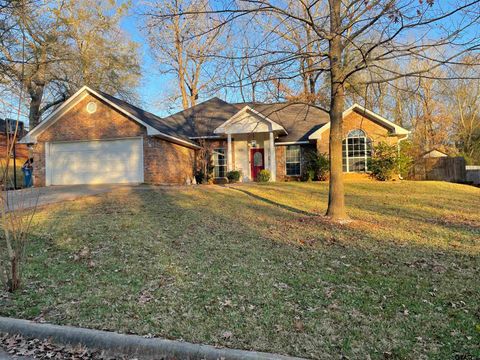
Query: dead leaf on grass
[{"x": 227, "y": 335}]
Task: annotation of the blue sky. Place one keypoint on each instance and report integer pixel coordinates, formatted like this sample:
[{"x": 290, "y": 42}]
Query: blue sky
[{"x": 150, "y": 89}]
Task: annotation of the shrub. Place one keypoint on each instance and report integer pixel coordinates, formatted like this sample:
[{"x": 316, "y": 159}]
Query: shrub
[
  {"x": 199, "y": 177},
  {"x": 263, "y": 176},
  {"x": 315, "y": 167},
  {"x": 386, "y": 161},
  {"x": 234, "y": 176}
]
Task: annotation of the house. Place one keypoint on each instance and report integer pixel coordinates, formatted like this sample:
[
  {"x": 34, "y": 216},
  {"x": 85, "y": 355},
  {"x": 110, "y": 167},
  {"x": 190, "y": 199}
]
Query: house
[
  {"x": 434, "y": 153},
  {"x": 7, "y": 131},
  {"x": 96, "y": 138}
]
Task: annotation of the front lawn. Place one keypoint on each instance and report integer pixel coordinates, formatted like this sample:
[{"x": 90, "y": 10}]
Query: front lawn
[{"x": 257, "y": 267}]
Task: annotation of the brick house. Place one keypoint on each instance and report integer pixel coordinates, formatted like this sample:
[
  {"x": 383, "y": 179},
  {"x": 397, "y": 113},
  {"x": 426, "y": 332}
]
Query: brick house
[{"x": 96, "y": 138}]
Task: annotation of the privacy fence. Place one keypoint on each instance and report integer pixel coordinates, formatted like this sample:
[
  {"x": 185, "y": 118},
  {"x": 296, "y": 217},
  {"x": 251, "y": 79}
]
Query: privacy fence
[
  {"x": 450, "y": 169},
  {"x": 473, "y": 174}
]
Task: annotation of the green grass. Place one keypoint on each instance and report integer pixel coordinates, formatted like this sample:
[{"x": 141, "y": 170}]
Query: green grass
[{"x": 258, "y": 267}]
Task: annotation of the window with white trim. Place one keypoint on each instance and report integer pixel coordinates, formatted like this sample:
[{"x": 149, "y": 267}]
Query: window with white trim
[
  {"x": 293, "y": 159},
  {"x": 219, "y": 163},
  {"x": 356, "y": 150}
]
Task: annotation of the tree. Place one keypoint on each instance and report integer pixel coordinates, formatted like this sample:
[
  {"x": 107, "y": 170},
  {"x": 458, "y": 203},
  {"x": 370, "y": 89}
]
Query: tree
[
  {"x": 463, "y": 106},
  {"x": 186, "y": 45},
  {"x": 52, "y": 48},
  {"x": 358, "y": 36}
]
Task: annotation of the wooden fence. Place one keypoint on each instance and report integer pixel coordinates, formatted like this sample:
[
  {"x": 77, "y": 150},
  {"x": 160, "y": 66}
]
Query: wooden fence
[
  {"x": 450, "y": 169},
  {"x": 473, "y": 174}
]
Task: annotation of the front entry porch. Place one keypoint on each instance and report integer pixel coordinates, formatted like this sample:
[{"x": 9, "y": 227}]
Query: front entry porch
[
  {"x": 250, "y": 154},
  {"x": 250, "y": 143}
]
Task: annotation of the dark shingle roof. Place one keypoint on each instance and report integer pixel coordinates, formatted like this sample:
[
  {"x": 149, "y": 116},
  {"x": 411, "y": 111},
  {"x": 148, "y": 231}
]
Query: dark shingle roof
[
  {"x": 147, "y": 117},
  {"x": 201, "y": 119},
  {"x": 300, "y": 120}
]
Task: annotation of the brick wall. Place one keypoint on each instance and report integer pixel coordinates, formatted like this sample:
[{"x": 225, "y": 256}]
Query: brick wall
[
  {"x": 354, "y": 120},
  {"x": 281, "y": 161},
  {"x": 167, "y": 163},
  {"x": 164, "y": 162}
]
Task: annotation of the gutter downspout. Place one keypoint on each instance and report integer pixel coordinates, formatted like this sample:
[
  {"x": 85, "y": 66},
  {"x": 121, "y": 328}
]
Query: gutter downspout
[{"x": 398, "y": 147}]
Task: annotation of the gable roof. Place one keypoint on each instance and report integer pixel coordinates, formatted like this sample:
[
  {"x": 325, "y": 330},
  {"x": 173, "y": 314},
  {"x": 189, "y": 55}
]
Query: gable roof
[
  {"x": 394, "y": 128},
  {"x": 246, "y": 110},
  {"x": 200, "y": 120},
  {"x": 299, "y": 120},
  {"x": 434, "y": 153},
  {"x": 145, "y": 118}
]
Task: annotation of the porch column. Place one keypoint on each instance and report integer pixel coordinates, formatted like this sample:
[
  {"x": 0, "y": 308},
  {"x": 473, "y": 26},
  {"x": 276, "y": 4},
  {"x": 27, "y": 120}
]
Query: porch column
[
  {"x": 273, "y": 162},
  {"x": 229, "y": 153}
]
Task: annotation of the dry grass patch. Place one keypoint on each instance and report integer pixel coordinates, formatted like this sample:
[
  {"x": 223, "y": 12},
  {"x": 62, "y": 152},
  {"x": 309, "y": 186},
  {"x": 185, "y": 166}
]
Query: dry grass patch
[{"x": 259, "y": 267}]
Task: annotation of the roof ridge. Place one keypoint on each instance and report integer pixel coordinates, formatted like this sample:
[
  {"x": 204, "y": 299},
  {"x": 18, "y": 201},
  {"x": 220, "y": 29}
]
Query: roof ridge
[{"x": 127, "y": 103}]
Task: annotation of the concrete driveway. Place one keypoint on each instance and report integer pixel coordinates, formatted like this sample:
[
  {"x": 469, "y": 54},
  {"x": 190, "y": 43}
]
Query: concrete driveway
[{"x": 28, "y": 198}]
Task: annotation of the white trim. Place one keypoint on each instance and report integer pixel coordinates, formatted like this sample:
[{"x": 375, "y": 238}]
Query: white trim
[
  {"x": 294, "y": 163},
  {"x": 397, "y": 130},
  {"x": 273, "y": 125},
  {"x": 292, "y": 143},
  {"x": 229, "y": 153},
  {"x": 215, "y": 150},
  {"x": 48, "y": 172},
  {"x": 205, "y": 137},
  {"x": 178, "y": 141},
  {"x": 31, "y": 137},
  {"x": 273, "y": 160}
]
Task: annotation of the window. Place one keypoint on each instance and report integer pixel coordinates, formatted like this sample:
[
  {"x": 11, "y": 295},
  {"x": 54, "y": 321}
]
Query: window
[
  {"x": 356, "y": 150},
  {"x": 293, "y": 160},
  {"x": 220, "y": 167}
]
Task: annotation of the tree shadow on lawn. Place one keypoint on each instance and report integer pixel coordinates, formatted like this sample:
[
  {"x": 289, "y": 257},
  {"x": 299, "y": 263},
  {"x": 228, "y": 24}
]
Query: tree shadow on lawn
[
  {"x": 214, "y": 266},
  {"x": 390, "y": 217}
]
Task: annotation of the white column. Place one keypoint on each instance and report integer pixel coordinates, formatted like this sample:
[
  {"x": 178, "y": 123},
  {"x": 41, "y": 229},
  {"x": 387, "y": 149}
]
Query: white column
[
  {"x": 229, "y": 153},
  {"x": 273, "y": 163}
]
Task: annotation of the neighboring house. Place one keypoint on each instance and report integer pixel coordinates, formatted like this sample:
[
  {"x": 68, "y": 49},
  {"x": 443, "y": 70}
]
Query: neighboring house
[
  {"x": 96, "y": 138},
  {"x": 434, "y": 153},
  {"x": 7, "y": 131}
]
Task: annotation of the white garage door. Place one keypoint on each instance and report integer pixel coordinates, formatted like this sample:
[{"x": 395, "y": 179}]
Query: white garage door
[{"x": 95, "y": 162}]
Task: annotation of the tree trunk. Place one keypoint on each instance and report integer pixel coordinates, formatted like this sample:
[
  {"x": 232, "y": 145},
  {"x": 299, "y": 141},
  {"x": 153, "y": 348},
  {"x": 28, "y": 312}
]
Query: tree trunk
[
  {"x": 336, "y": 196},
  {"x": 36, "y": 96}
]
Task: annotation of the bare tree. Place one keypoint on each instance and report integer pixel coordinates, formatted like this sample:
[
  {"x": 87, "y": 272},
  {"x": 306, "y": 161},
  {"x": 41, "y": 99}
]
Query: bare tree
[
  {"x": 358, "y": 36},
  {"x": 16, "y": 210},
  {"x": 67, "y": 44},
  {"x": 462, "y": 99},
  {"x": 186, "y": 45}
]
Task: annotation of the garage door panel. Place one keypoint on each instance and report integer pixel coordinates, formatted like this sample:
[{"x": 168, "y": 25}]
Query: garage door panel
[{"x": 96, "y": 162}]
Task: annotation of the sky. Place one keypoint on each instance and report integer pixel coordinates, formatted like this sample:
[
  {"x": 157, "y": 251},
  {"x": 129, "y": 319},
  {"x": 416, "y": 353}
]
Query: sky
[{"x": 150, "y": 89}]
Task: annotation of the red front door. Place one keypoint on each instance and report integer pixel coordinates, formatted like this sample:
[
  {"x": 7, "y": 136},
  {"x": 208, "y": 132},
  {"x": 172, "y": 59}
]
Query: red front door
[{"x": 257, "y": 162}]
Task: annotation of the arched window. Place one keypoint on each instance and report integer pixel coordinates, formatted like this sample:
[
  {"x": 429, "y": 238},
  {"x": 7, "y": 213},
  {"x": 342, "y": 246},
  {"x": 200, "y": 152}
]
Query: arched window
[{"x": 356, "y": 150}]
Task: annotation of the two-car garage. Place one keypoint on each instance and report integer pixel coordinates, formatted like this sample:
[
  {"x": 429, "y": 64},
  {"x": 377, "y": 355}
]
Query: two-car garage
[{"x": 94, "y": 162}]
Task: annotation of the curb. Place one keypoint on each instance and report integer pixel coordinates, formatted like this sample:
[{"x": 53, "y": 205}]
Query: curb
[{"x": 131, "y": 345}]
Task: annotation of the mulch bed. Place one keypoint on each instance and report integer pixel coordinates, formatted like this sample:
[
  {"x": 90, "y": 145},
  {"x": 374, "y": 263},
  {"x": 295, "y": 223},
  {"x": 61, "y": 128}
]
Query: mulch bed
[{"x": 18, "y": 346}]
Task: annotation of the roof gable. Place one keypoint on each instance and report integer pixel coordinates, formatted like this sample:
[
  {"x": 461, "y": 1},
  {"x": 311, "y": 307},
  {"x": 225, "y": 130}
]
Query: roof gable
[
  {"x": 247, "y": 120},
  {"x": 144, "y": 118},
  {"x": 391, "y": 126},
  {"x": 200, "y": 120}
]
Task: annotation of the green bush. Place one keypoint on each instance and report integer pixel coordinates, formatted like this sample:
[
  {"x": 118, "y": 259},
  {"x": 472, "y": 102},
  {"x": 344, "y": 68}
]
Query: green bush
[
  {"x": 264, "y": 176},
  {"x": 315, "y": 166},
  {"x": 386, "y": 161},
  {"x": 234, "y": 176}
]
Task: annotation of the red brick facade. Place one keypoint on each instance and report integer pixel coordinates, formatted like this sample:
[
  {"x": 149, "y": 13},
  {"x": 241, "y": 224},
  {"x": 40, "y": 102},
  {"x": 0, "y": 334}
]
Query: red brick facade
[
  {"x": 164, "y": 161},
  {"x": 354, "y": 120}
]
